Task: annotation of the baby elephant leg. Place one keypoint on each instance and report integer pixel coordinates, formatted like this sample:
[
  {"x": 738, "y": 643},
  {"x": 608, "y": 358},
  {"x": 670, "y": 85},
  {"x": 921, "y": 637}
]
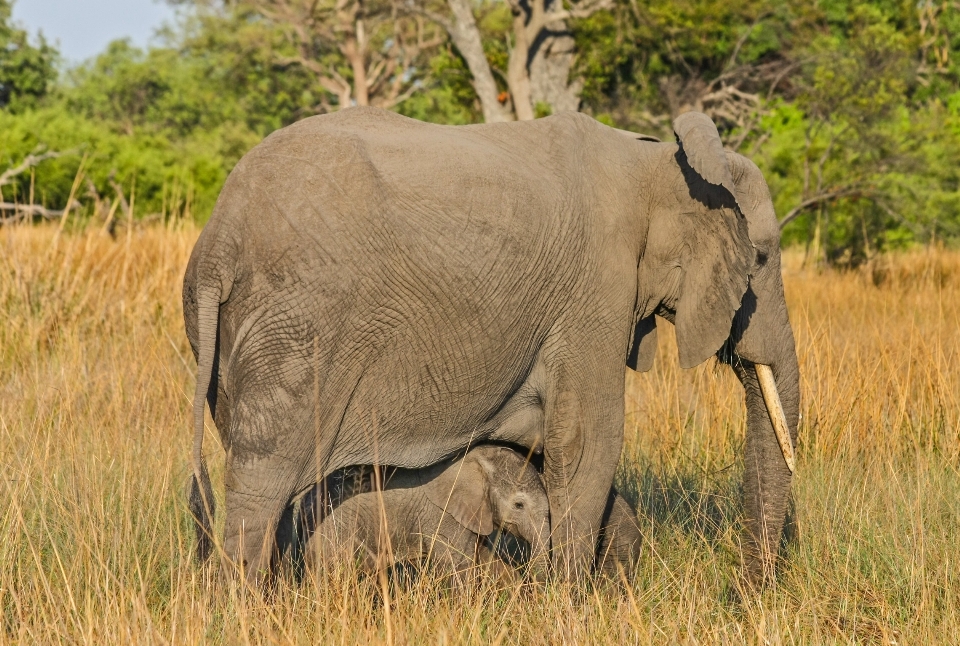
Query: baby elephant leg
[
  {"x": 452, "y": 557},
  {"x": 620, "y": 539},
  {"x": 345, "y": 540}
]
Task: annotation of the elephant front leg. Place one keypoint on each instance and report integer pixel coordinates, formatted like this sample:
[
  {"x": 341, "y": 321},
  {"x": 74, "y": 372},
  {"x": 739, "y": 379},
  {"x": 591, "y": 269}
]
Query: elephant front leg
[{"x": 582, "y": 444}]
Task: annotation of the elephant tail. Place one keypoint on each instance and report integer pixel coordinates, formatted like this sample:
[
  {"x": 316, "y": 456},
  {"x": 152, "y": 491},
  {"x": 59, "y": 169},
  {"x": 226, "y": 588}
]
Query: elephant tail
[{"x": 201, "y": 501}]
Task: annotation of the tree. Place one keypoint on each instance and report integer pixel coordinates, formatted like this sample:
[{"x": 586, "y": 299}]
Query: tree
[
  {"x": 852, "y": 110},
  {"x": 849, "y": 89},
  {"x": 646, "y": 62},
  {"x": 543, "y": 54},
  {"x": 847, "y": 129},
  {"x": 359, "y": 52},
  {"x": 362, "y": 51},
  {"x": 26, "y": 71},
  {"x": 847, "y": 107},
  {"x": 539, "y": 61},
  {"x": 463, "y": 31}
]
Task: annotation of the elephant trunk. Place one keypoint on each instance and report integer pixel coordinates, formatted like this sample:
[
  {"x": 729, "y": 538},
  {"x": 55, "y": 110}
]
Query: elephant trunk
[{"x": 772, "y": 399}]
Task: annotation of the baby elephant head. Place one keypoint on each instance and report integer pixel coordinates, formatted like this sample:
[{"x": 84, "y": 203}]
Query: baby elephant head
[{"x": 496, "y": 487}]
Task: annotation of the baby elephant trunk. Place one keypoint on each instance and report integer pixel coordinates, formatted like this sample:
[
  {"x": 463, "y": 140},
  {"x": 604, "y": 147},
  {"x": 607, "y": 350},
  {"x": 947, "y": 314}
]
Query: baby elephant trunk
[
  {"x": 540, "y": 553},
  {"x": 534, "y": 525}
]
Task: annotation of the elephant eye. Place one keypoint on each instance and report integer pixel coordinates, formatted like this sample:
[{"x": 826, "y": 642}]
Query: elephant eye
[
  {"x": 518, "y": 505},
  {"x": 761, "y": 259}
]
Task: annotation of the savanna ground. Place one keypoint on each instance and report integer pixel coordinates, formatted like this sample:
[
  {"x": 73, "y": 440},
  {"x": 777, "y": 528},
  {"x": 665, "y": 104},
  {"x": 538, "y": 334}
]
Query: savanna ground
[{"x": 96, "y": 378}]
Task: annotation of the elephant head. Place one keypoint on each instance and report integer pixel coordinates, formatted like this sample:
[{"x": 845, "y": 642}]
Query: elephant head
[
  {"x": 496, "y": 487},
  {"x": 714, "y": 271}
]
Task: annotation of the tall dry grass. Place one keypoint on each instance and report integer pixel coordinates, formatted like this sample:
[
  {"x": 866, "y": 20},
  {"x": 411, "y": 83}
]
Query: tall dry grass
[{"x": 95, "y": 385}]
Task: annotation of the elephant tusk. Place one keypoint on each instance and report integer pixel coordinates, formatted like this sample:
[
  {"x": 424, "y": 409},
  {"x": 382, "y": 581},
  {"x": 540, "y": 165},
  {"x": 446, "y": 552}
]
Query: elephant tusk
[{"x": 768, "y": 386}]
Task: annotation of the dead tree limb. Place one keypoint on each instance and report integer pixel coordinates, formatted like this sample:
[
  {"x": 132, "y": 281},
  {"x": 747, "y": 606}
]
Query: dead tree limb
[
  {"x": 28, "y": 162},
  {"x": 26, "y": 211},
  {"x": 795, "y": 212}
]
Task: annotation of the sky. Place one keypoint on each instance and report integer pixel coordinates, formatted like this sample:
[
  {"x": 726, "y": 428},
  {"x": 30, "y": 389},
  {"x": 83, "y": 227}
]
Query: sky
[{"x": 82, "y": 28}]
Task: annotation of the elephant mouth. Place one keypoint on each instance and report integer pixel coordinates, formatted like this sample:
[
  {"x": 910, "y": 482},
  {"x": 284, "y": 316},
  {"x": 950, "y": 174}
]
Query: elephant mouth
[{"x": 771, "y": 397}]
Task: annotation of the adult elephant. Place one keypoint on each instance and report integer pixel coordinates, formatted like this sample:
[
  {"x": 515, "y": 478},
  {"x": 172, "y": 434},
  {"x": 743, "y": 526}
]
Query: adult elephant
[{"x": 373, "y": 289}]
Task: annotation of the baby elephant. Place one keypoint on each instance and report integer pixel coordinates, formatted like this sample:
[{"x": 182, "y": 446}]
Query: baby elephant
[{"x": 438, "y": 514}]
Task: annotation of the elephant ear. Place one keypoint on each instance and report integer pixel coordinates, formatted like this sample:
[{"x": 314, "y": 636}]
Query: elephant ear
[
  {"x": 644, "y": 346},
  {"x": 698, "y": 137},
  {"x": 717, "y": 252},
  {"x": 463, "y": 492},
  {"x": 716, "y": 264}
]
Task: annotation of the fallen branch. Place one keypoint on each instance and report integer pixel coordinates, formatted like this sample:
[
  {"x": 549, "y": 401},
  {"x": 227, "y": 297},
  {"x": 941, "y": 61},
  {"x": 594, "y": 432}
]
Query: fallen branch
[{"x": 23, "y": 211}]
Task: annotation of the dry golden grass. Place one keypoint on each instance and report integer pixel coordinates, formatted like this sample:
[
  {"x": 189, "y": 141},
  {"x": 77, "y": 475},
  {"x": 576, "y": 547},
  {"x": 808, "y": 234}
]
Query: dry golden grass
[{"x": 95, "y": 384}]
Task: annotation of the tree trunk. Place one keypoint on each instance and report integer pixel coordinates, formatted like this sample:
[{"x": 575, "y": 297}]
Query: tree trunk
[
  {"x": 550, "y": 70},
  {"x": 466, "y": 38},
  {"x": 354, "y": 49},
  {"x": 518, "y": 77}
]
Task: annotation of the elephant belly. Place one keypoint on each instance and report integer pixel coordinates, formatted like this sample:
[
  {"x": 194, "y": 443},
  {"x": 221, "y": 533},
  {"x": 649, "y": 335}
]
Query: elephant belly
[
  {"x": 421, "y": 414},
  {"x": 524, "y": 427}
]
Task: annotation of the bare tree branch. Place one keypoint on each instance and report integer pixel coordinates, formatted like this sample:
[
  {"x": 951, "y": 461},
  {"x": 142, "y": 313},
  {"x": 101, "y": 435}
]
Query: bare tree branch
[
  {"x": 28, "y": 162},
  {"x": 432, "y": 16},
  {"x": 330, "y": 35},
  {"x": 848, "y": 191},
  {"x": 917, "y": 229}
]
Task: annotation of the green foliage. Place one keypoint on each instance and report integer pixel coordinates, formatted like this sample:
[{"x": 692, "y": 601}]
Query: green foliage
[
  {"x": 448, "y": 96},
  {"x": 171, "y": 121},
  {"x": 861, "y": 76},
  {"x": 645, "y": 59},
  {"x": 859, "y": 129},
  {"x": 26, "y": 71},
  {"x": 159, "y": 117},
  {"x": 852, "y": 109},
  {"x": 157, "y": 163}
]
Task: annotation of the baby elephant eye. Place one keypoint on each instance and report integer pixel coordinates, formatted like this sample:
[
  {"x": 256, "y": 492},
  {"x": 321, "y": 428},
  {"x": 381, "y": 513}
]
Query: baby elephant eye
[{"x": 518, "y": 505}]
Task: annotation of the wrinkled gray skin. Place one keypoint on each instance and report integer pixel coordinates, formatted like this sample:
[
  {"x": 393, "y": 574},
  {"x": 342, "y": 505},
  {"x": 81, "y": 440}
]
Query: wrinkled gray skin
[
  {"x": 620, "y": 540},
  {"x": 371, "y": 289},
  {"x": 438, "y": 514}
]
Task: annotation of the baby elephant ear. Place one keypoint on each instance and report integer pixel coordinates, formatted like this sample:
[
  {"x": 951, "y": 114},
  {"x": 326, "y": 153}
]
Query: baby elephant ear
[
  {"x": 462, "y": 491},
  {"x": 698, "y": 136}
]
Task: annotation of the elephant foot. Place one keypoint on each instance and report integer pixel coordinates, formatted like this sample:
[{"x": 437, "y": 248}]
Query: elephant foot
[{"x": 758, "y": 570}]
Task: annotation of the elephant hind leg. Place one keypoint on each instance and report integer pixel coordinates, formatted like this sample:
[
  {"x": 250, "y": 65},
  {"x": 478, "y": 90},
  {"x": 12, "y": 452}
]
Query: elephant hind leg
[{"x": 258, "y": 492}]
